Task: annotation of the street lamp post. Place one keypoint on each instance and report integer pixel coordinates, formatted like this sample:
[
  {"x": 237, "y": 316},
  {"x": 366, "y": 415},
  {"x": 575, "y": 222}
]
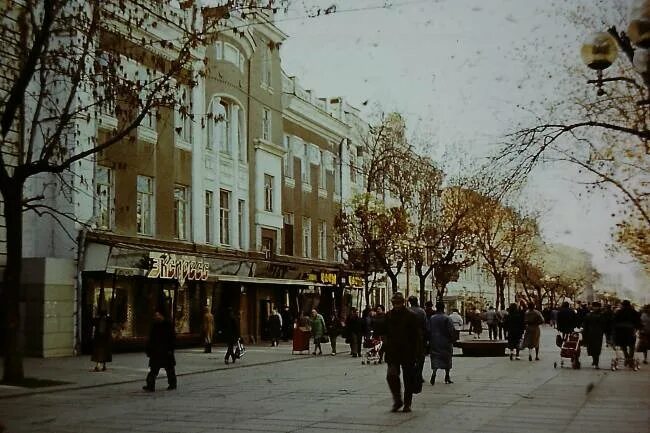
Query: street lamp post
[{"x": 601, "y": 50}]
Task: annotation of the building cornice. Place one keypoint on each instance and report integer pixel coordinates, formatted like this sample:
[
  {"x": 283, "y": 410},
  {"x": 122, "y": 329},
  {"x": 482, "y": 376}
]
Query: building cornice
[
  {"x": 269, "y": 147},
  {"x": 313, "y": 119}
]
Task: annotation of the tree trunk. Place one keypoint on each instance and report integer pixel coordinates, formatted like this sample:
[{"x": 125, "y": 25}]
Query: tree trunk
[
  {"x": 366, "y": 288},
  {"x": 500, "y": 286},
  {"x": 423, "y": 281},
  {"x": 13, "y": 355},
  {"x": 393, "y": 281}
]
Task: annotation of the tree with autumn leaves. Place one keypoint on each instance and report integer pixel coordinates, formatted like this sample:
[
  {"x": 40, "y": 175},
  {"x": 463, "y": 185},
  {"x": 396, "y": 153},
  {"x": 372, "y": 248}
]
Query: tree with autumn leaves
[
  {"x": 601, "y": 125},
  {"x": 407, "y": 215},
  {"x": 65, "y": 62}
]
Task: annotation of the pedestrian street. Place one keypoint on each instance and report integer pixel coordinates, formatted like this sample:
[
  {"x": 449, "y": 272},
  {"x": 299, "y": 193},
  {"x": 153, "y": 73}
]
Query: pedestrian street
[{"x": 338, "y": 394}]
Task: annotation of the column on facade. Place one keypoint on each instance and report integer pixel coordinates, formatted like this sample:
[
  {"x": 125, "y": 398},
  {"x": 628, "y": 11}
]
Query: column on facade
[
  {"x": 198, "y": 164},
  {"x": 234, "y": 131}
]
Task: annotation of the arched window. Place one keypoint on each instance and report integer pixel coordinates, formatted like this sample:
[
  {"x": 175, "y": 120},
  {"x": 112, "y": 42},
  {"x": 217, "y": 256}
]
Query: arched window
[{"x": 226, "y": 130}]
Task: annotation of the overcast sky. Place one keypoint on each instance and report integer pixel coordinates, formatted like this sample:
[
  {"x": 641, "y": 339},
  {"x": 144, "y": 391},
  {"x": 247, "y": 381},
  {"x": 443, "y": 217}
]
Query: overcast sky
[{"x": 458, "y": 70}]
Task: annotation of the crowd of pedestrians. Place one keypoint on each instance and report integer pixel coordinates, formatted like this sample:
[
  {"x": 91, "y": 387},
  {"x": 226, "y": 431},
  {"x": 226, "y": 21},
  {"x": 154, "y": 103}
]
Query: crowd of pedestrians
[{"x": 408, "y": 334}]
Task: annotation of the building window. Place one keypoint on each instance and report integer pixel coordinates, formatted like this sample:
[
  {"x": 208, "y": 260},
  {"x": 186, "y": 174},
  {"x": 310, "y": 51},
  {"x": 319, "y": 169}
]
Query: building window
[
  {"x": 150, "y": 120},
  {"x": 305, "y": 167},
  {"x": 353, "y": 168},
  {"x": 266, "y": 124},
  {"x": 337, "y": 176},
  {"x": 184, "y": 114},
  {"x": 231, "y": 54},
  {"x": 241, "y": 215},
  {"x": 268, "y": 241},
  {"x": 322, "y": 240},
  {"x": 103, "y": 197},
  {"x": 268, "y": 193},
  {"x": 209, "y": 203},
  {"x": 241, "y": 137},
  {"x": 288, "y": 157},
  {"x": 338, "y": 255},
  {"x": 288, "y": 234},
  {"x": 267, "y": 66},
  {"x": 306, "y": 237},
  {"x": 180, "y": 212},
  {"x": 218, "y": 50},
  {"x": 224, "y": 216},
  {"x": 220, "y": 129},
  {"x": 226, "y": 126},
  {"x": 144, "y": 205},
  {"x": 323, "y": 171}
]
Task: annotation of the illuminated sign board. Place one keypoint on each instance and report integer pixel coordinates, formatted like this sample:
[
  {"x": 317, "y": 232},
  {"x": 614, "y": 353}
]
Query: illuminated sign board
[
  {"x": 328, "y": 277},
  {"x": 355, "y": 281},
  {"x": 181, "y": 268}
]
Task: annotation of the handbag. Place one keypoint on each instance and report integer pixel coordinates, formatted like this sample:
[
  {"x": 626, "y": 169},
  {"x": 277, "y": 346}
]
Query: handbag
[
  {"x": 558, "y": 340},
  {"x": 520, "y": 345},
  {"x": 412, "y": 379},
  {"x": 325, "y": 339},
  {"x": 240, "y": 350}
]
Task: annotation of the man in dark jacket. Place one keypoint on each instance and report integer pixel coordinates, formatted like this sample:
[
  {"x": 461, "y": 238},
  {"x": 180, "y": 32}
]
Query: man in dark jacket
[
  {"x": 594, "y": 327},
  {"x": 231, "y": 334},
  {"x": 422, "y": 318},
  {"x": 403, "y": 341},
  {"x": 626, "y": 321},
  {"x": 566, "y": 320},
  {"x": 160, "y": 350}
]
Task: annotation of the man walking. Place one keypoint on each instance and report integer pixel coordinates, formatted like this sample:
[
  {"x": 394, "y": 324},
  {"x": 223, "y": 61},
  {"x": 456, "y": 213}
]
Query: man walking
[
  {"x": 231, "y": 335},
  {"x": 160, "y": 350},
  {"x": 566, "y": 320},
  {"x": 422, "y": 319},
  {"x": 593, "y": 329},
  {"x": 403, "y": 342},
  {"x": 492, "y": 321}
]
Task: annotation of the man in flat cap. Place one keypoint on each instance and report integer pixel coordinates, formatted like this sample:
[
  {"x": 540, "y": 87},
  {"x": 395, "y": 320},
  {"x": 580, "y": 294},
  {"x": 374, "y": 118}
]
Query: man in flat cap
[{"x": 403, "y": 346}]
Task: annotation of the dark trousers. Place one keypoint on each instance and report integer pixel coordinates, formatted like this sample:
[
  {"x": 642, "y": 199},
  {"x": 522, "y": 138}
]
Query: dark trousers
[
  {"x": 333, "y": 342},
  {"x": 420, "y": 367},
  {"x": 503, "y": 332},
  {"x": 492, "y": 331},
  {"x": 355, "y": 344},
  {"x": 395, "y": 386},
  {"x": 153, "y": 374}
]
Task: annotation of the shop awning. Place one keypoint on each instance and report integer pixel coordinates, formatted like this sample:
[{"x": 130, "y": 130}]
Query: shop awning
[{"x": 255, "y": 280}]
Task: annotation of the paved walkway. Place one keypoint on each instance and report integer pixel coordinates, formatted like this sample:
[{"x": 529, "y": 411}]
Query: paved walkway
[
  {"x": 328, "y": 394},
  {"x": 133, "y": 367}
]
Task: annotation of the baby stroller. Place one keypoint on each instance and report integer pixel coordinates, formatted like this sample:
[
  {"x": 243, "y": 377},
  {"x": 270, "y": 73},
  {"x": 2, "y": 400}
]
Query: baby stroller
[
  {"x": 570, "y": 349},
  {"x": 373, "y": 348}
]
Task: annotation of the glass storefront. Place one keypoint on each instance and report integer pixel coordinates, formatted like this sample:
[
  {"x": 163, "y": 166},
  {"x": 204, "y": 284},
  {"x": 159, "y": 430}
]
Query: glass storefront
[{"x": 131, "y": 301}]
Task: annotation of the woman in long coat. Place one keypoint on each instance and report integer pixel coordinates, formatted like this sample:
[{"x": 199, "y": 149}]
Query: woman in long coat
[
  {"x": 533, "y": 319},
  {"x": 275, "y": 327},
  {"x": 102, "y": 341},
  {"x": 208, "y": 330},
  {"x": 514, "y": 325},
  {"x": 594, "y": 327},
  {"x": 318, "y": 329},
  {"x": 441, "y": 340}
]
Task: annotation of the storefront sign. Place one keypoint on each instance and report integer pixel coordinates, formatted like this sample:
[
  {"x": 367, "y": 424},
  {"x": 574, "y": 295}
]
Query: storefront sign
[
  {"x": 321, "y": 277},
  {"x": 328, "y": 277},
  {"x": 181, "y": 268},
  {"x": 355, "y": 281}
]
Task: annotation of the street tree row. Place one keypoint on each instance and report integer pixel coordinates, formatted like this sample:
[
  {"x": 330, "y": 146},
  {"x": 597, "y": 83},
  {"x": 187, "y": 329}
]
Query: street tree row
[{"x": 408, "y": 212}]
